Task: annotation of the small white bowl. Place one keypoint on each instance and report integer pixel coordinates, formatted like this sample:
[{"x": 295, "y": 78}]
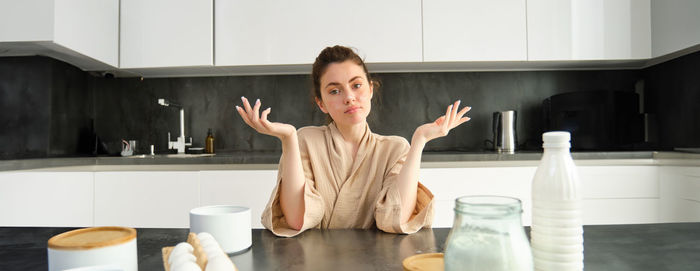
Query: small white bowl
[{"x": 229, "y": 225}]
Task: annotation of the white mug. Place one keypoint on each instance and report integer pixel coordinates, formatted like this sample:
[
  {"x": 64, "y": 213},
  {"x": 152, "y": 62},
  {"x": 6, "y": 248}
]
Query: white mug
[{"x": 230, "y": 225}]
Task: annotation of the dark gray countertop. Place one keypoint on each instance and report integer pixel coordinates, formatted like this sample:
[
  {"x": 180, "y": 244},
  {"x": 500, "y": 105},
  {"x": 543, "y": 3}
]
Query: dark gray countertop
[
  {"x": 673, "y": 246},
  {"x": 272, "y": 158}
]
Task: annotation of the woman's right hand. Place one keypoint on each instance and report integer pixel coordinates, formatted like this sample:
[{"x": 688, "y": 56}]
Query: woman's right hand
[{"x": 259, "y": 122}]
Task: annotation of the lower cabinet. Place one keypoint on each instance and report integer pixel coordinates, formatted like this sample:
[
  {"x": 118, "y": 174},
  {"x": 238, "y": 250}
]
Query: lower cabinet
[
  {"x": 46, "y": 199},
  {"x": 249, "y": 188},
  {"x": 680, "y": 194},
  {"x": 145, "y": 199},
  {"x": 163, "y": 199},
  {"x": 611, "y": 194}
]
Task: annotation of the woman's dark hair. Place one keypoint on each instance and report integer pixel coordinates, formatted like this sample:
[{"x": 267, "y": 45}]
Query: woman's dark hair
[{"x": 330, "y": 55}]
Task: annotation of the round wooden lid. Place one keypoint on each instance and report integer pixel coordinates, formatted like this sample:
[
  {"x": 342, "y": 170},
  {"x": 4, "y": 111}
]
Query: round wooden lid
[
  {"x": 89, "y": 238},
  {"x": 424, "y": 262}
]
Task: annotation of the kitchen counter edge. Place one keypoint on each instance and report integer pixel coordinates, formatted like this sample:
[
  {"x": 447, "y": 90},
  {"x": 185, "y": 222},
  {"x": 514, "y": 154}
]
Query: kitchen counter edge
[{"x": 269, "y": 161}]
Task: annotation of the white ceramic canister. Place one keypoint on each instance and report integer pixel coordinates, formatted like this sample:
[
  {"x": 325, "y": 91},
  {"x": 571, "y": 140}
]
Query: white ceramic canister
[
  {"x": 99, "y": 246},
  {"x": 229, "y": 225}
]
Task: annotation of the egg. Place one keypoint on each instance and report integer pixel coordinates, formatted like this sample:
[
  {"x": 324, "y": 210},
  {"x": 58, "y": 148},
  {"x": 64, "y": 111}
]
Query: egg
[
  {"x": 205, "y": 238},
  {"x": 182, "y": 247},
  {"x": 180, "y": 257},
  {"x": 220, "y": 264},
  {"x": 185, "y": 266},
  {"x": 213, "y": 249}
]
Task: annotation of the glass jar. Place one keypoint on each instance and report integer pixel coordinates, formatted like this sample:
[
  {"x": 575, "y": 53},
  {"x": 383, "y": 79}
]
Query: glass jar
[{"x": 487, "y": 234}]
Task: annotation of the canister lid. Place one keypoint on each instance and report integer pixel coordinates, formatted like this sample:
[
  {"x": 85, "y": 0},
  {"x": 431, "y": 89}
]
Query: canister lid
[
  {"x": 424, "y": 262},
  {"x": 89, "y": 238}
]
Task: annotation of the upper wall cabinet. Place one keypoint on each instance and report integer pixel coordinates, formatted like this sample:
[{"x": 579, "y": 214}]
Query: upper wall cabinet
[
  {"x": 474, "y": 30},
  {"x": 166, "y": 33},
  {"x": 588, "y": 29},
  {"x": 279, "y": 32},
  {"x": 82, "y": 32},
  {"x": 675, "y": 25}
]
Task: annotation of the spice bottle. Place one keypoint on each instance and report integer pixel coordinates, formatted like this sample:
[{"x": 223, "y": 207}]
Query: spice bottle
[{"x": 209, "y": 142}]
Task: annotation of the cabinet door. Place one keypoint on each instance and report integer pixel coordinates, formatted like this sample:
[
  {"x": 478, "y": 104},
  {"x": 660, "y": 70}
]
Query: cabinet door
[
  {"x": 294, "y": 32},
  {"x": 249, "y": 188},
  {"x": 84, "y": 33},
  {"x": 588, "y": 29},
  {"x": 620, "y": 194},
  {"x": 474, "y": 30},
  {"x": 150, "y": 199},
  {"x": 674, "y": 25},
  {"x": 447, "y": 184},
  {"x": 29, "y": 20},
  {"x": 46, "y": 199},
  {"x": 165, "y": 33},
  {"x": 90, "y": 27},
  {"x": 680, "y": 194}
]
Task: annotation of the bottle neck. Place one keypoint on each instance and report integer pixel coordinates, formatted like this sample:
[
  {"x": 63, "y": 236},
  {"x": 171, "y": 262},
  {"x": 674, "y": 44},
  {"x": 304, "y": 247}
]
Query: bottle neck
[{"x": 556, "y": 149}]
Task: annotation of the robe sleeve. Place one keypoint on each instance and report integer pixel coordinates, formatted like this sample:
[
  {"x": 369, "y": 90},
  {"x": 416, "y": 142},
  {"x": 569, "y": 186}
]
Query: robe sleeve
[
  {"x": 273, "y": 219},
  {"x": 388, "y": 207}
]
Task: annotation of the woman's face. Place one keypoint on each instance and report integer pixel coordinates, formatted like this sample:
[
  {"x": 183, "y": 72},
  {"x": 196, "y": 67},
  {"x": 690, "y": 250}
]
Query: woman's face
[{"x": 345, "y": 93}]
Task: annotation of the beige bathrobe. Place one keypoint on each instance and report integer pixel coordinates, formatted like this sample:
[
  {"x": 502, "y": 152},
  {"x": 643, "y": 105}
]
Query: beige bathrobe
[{"x": 343, "y": 193}]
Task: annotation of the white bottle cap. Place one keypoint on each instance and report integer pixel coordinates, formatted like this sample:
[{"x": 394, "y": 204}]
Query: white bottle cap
[{"x": 557, "y": 139}]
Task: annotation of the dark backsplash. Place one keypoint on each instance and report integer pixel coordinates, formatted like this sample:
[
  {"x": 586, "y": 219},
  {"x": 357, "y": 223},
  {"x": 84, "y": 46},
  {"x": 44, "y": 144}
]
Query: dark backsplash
[{"x": 50, "y": 108}]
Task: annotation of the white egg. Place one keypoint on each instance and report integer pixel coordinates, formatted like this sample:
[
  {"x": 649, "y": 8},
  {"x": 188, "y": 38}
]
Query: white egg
[
  {"x": 182, "y": 247},
  {"x": 213, "y": 250},
  {"x": 180, "y": 257},
  {"x": 205, "y": 238},
  {"x": 185, "y": 266},
  {"x": 219, "y": 264}
]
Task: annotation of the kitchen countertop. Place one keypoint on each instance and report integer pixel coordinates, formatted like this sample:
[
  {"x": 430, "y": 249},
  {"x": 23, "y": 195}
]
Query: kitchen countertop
[
  {"x": 672, "y": 246},
  {"x": 269, "y": 160}
]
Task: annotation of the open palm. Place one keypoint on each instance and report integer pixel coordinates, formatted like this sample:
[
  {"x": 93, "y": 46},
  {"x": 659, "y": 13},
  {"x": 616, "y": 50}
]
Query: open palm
[
  {"x": 442, "y": 125},
  {"x": 259, "y": 122}
]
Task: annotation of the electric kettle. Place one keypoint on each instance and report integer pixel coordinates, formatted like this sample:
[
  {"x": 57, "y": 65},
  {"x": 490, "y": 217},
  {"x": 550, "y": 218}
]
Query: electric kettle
[{"x": 504, "y": 132}]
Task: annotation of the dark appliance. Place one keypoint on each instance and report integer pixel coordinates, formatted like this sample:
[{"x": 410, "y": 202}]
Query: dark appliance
[{"x": 597, "y": 120}]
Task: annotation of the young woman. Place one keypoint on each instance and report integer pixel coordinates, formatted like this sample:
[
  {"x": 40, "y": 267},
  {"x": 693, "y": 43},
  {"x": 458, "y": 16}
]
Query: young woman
[{"x": 342, "y": 175}]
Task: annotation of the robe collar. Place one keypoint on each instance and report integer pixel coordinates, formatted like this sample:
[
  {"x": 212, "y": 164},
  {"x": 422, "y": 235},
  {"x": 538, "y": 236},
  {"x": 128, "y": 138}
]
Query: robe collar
[{"x": 343, "y": 164}]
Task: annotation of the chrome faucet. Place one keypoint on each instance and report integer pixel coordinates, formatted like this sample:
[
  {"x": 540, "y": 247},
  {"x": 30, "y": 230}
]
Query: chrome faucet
[{"x": 180, "y": 143}]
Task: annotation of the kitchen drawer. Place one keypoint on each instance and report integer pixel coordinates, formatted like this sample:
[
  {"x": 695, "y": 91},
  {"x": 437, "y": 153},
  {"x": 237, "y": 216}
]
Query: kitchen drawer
[
  {"x": 56, "y": 199},
  {"x": 601, "y": 182},
  {"x": 149, "y": 199}
]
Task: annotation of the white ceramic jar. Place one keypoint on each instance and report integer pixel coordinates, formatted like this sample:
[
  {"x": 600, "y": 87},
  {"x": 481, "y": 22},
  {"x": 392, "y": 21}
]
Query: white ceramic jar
[
  {"x": 229, "y": 225},
  {"x": 100, "y": 246}
]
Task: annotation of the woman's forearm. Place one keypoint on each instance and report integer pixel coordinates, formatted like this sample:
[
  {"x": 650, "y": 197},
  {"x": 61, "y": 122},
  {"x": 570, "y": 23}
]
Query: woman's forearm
[
  {"x": 292, "y": 184},
  {"x": 408, "y": 178}
]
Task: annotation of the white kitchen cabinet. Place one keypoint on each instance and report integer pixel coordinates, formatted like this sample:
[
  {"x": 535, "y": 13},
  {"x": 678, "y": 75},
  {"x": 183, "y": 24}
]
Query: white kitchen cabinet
[
  {"x": 474, "y": 30},
  {"x": 46, "y": 199},
  {"x": 447, "y": 184},
  {"x": 611, "y": 194},
  {"x": 281, "y": 32},
  {"x": 165, "y": 33},
  {"x": 82, "y": 32},
  {"x": 674, "y": 25},
  {"x": 620, "y": 194},
  {"x": 680, "y": 194},
  {"x": 588, "y": 29},
  {"x": 249, "y": 188},
  {"x": 148, "y": 199}
]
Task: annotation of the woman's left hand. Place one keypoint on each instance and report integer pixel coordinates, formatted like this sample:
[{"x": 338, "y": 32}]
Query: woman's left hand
[{"x": 442, "y": 125}]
